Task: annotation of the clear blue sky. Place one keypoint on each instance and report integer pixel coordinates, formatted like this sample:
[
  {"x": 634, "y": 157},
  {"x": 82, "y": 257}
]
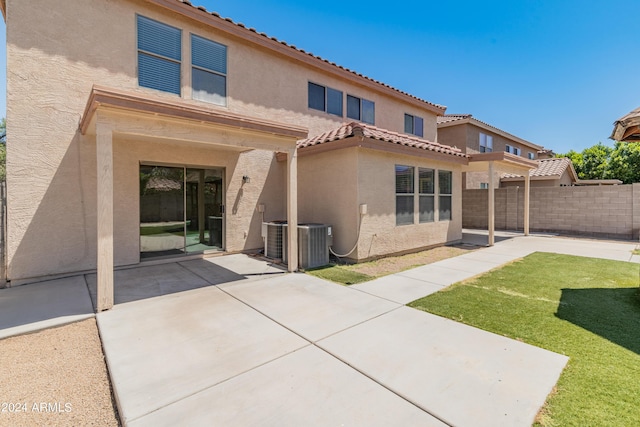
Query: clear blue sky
[{"x": 556, "y": 73}]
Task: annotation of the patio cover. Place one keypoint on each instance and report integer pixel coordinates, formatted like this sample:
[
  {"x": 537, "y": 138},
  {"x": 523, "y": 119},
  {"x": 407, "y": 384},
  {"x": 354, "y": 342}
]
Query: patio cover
[
  {"x": 139, "y": 115},
  {"x": 627, "y": 128},
  {"x": 502, "y": 162}
]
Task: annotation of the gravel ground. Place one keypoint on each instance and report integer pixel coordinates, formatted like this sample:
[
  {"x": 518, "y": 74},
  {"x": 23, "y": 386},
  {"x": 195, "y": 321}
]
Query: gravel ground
[
  {"x": 56, "y": 377},
  {"x": 395, "y": 264}
]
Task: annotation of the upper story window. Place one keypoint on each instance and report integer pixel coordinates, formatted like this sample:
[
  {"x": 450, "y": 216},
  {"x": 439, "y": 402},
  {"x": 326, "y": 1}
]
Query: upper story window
[
  {"x": 159, "y": 55},
  {"x": 325, "y": 99},
  {"x": 208, "y": 70},
  {"x": 513, "y": 150},
  {"x": 361, "y": 109},
  {"x": 486, "y": 143},
  {"x": 531, "y": 156},
  {"x": 413, "y": 125}
]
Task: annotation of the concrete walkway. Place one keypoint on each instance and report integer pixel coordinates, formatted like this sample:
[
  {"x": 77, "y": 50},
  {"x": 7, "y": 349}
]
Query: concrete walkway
[
  {"x": 410, "y": 285},
  {"x": 272, "y": 349}
]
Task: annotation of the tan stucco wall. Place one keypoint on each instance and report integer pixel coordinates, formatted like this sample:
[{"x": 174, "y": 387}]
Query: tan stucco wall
[
  {"x": 334, "y": 184},
  {"x": 56, "y": 54},
  {"x": 606, "y": 211},
  {"x": 328, "y": 194},
  {"x": 379, "y": 233}
]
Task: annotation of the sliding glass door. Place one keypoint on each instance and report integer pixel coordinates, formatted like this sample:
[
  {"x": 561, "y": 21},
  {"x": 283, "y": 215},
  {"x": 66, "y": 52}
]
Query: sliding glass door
[{"x": 181, "y": 210}]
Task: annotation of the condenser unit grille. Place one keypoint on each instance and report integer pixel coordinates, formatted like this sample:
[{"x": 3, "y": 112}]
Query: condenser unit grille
[
  {"x": 313, "y": 243},
  {"x": 274, "y": 240},
  {"x": 313, "y": 247}
]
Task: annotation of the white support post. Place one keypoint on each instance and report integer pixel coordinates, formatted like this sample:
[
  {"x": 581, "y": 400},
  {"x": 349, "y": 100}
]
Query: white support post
[
  {"x": 292, "y": 209},
  {"x": 527, "y": 189},
  {"x": 104, "y": 155},
  {"x": 491, "y": 206}
]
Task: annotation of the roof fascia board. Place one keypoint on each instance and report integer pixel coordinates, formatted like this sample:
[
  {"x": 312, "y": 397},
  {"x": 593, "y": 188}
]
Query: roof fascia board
[{"x": 234, "y": 29}]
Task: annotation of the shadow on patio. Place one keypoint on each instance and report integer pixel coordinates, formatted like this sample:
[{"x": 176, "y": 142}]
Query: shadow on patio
[{"x": 142, "y": 282}]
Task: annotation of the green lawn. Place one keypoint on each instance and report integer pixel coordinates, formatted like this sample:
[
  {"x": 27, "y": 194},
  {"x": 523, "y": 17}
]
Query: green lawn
[
  {"x": 342, "y": 274},
  {"x": 587, "y": 309}
]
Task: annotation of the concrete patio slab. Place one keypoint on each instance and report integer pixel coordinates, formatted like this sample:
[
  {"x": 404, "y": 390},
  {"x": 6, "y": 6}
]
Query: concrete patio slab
[
  {"x": 309, "y": 306},
  {"x": 42, "y": 305},
  {"x": 400, "y": 289},
  {"x": 138, "y": 283},
  {"x": 462, "y": 375},
  {"x": 231, "y": 268},
  {"x": 304, "y": 388},
  {"x": 161, "y": 350},
  {"x": 443, "y": 276}
]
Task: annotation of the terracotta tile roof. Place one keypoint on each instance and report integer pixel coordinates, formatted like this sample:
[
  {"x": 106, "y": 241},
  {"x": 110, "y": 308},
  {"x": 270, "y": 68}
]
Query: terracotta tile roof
[
  {"x": 452, "y": 117},
  {"x": 554, "y": 167},
  {"x": 266, "y": 36},
  {"x": 350, "y": 130}
]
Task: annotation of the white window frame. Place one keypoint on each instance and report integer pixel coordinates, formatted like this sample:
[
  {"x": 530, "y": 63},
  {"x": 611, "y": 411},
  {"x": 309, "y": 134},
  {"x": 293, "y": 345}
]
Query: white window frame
[
  {"x": 442, "y": 195},
  {"x": 326, "y": 99},
  {"x": 415, "y": 129},
  {"x": 427, "y": 195},
  {"x": 210, "y": 99},
  {"x": 486, "y": 143},
  {"x": 531, "y": 156},
  {"x": 411, "y": 194},
  {"x": 360, "y": 112},
  {"x": 159, "y": 56}
]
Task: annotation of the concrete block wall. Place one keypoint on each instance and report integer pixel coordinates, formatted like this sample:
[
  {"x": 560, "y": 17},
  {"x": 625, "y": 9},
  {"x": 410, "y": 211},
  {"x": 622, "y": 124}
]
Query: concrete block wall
[{"x": 597, "y": 211}]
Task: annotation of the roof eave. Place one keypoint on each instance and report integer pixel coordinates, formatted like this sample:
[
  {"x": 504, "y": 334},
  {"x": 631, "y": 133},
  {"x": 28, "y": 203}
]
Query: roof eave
[
  {"x": 136, "y": 102},
  {"x": 286, "y": 50},
  {"x": 379, "y": 145},
  {"x": 3, "y": 8},
  {"x": 532, "y": 178}
]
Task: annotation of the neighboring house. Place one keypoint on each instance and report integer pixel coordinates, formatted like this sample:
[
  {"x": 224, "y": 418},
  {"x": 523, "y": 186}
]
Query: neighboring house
[
  {"x": 553, "y": 172},
  {"x": 627, "y": 128},
  {"x": 156, "y": 130},
  {"x": 474, "y": 136}
]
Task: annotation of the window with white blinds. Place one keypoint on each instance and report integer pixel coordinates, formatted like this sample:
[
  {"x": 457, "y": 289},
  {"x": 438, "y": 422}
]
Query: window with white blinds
[
  {"x": 159, "y": 55},
  {"x": 209, "y": 70}
]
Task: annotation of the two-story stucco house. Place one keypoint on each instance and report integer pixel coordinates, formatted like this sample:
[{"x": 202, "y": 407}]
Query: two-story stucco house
[
  {"x": 475, "y": 136},
  {"x": 145, "y": 129}
]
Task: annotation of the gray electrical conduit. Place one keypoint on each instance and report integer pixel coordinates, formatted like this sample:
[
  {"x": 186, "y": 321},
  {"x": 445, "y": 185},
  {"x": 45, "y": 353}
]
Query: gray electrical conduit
[{"x": 354, "y": 246}]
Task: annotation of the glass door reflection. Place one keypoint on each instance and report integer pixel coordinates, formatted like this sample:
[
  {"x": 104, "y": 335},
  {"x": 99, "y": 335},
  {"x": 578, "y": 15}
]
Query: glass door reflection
[{"x": 181, "y": 210}]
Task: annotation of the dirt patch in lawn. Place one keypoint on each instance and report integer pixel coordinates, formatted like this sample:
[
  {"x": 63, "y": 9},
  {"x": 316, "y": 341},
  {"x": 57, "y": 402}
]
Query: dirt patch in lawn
[
  {"x": 56, "y": 377},
  {"x": 395, "y": 264}
]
